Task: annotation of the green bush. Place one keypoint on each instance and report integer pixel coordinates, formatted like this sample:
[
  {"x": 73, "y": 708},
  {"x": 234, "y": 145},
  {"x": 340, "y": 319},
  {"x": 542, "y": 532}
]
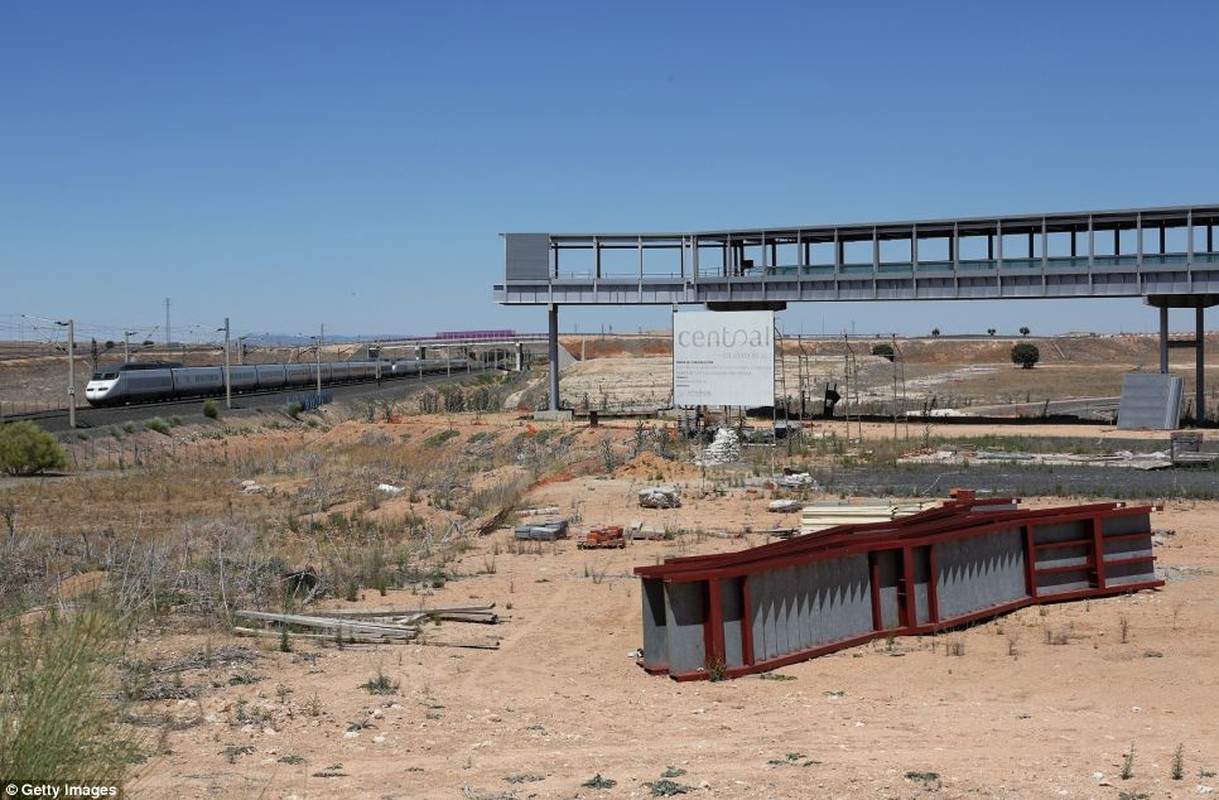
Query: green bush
[
  {"x": 157, "y": 424},
  {"x": 26, "y": 449},
  {"x": 1026, "y": 355},
  {"x": 883, "y": 350},
  {"x": 210, "y": 409}
]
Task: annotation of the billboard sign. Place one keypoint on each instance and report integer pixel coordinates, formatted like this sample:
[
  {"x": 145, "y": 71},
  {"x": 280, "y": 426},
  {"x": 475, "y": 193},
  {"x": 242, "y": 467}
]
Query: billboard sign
[{"x": 723, "y": 358}]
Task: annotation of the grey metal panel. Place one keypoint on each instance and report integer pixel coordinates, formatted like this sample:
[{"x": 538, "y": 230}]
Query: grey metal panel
[
  {"x": 922, "y": 580},
  {"x": 1150, "y": 400},
  {"x": 1127, "y": 548},
  {"x": 730, "y": 607},
  {"x": 655, "y": 642},
  {"x": 1128, "y": 523},
  {"x": 1075, "y": 555},
  {"x": 1059, "y": 582},
  {"x": 979, "y": 572},
  {"x": 887, "y": 567},
  {"x": 526, "y": 256},
  {"x": 1061, "y": 532},
  {"x": 685, "y": 612},
  {"x": 844, "y": 607},
  {"x": 1124, "y": 574}
]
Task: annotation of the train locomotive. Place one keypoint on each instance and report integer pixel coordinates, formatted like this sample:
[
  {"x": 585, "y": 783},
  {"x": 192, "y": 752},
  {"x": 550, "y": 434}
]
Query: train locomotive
[{"x": 148, "y": 381}]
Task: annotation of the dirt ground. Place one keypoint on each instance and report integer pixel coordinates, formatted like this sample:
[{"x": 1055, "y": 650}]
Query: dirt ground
[
  {"x": 1127, "y": 683},
  {"x": 562, "y": 701}
]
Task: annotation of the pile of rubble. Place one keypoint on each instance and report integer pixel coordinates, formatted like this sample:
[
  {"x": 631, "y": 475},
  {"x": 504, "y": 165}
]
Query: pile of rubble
[{"x": 725, "y": 449}]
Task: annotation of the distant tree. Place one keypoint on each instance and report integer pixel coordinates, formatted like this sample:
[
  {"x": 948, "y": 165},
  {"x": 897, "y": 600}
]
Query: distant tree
[
  {"x": 935, "y": 331},
  {"x": 109, "y": 344},
  {"x": 1024, "y": 331},
  {"x": 991, "y": 331},
  {"x": 883, "y": 350},
  {"x": 1026, "y": 355},
  {"x": 26, "y": 449}
]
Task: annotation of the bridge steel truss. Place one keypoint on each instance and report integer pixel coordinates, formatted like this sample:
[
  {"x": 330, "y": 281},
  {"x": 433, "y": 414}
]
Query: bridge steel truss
[
  {"x": 1165, "y": 255},
  {"x": 732, "y": 614}
]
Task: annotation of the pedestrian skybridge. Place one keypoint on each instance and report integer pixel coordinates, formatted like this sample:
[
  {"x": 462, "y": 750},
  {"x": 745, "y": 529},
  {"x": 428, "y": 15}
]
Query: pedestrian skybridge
[
  {"x": 1132, "y": 253},
  {"x": 1165, "y": 255}
]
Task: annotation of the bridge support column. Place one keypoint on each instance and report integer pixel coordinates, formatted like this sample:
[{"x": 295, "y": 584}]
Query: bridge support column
[
  {"x": 1199, "y": 367},
  {"x": 520, "y": 356},
  {"x": 552, "y": 351},
  {"x": 1199, "y": 303},
  {"x": 1163, "y": 340}
]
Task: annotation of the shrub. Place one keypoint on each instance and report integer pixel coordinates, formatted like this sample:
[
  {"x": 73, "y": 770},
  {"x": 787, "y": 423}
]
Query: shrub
[
  {"x": 157, "y": 424},
  {"x": 883, "y": 350},
  {"x": 26, "y": 449},
  {"x": 210, "y": 409},
  {"x": 56, "y": 721},
  {"x": 1026, "y": 355}
]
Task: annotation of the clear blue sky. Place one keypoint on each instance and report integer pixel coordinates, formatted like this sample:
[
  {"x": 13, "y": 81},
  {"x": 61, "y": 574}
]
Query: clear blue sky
[{"x": 291, "y": 164}]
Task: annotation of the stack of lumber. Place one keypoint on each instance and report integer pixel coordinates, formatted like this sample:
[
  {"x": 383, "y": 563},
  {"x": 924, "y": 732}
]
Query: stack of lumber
[
  {"x": 367, "y": 626},
  {"x": 828, "y": 514}
]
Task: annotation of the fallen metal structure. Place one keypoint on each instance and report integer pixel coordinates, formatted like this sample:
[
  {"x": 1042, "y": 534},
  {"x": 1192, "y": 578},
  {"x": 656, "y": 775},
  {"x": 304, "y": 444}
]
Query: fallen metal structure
[{"x": 732, "y": 614}]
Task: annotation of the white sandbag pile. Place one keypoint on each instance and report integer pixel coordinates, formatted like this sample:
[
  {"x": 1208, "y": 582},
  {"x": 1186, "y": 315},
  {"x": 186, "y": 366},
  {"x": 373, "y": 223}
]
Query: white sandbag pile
[{"x": 725, "y": 449}]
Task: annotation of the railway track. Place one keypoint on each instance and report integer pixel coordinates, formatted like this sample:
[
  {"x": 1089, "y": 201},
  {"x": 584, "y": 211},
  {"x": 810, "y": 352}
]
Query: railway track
[{"x": 89, "y": 417}]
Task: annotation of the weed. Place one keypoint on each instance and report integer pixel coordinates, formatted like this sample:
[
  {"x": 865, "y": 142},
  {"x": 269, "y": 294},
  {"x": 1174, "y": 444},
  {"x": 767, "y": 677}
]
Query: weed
[
  {"x": 291, "y": 758},
  {"x": 525, "y": 777},
  {"x": 956, "y": 647},
  {"x": 1178, "y": 763},
  {"x": 929, "y": 779},
  {"x": 597, "y": 782},
  {"x": 666, "y": 788},
  {"x": 673, "y": 772},
  {"x": 1133, "y": 796},
  {"x": 776, "y": 676},
  {"x": 381, "y": 684},
  {"x": 717, "y": 670},
  {"x": 1206, "y": 773},
  {"x": 232, "y": 751},
  {"x": 359, "y": 725},
  {"x": 1128, "y": 763},
  {"x": 1124, "y": 625},
  {"x": 210, "y": 409}
]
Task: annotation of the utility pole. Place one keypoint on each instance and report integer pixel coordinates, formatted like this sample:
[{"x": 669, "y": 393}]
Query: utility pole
[
  {"x": 168, "y": 338},
  {"x": 71, "y": 326},
  {"x": 127, "y": 346},
  {"x": 320, "y": 338},
  {"x": 228, "y": 382}
]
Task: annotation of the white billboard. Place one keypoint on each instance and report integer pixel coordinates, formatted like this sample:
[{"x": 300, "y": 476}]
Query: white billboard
[{"x": 723, "y": 358}]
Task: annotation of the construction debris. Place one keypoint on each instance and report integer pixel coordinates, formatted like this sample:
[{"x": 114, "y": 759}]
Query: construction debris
[
  {"x": 797, "y": 480},
  {"x": 784, "y": 506},
  {"x": 368, "y": 626},
  {"x": 1118, "y": 458},
  {"x": 724, "y": 449},
  {"x": 601, "y": 538},
  {"x": 543, "y": 531},
  {"x": 831, "y": 513},
  {"x": 390, "y": 489},
  {"x": 659, "y": 497},
  {"x": 545, "y": 511}
]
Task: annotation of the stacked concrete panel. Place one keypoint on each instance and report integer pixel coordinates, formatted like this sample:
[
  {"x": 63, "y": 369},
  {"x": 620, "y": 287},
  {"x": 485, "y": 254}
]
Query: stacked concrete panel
[{"x": 737, "y": 613}]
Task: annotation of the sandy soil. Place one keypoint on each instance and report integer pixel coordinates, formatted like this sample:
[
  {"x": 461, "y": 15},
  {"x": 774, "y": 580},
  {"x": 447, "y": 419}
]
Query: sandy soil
[{"x": 561, "y": 700}]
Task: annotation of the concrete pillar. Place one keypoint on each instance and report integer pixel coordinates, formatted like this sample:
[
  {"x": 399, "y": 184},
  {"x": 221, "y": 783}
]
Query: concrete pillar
[
  {"x": 1163, "y": 340},
  {"x": 520, "y": 356},
  {"x": 1199, "y": 367},
  {"x": 552, "y": 351}
]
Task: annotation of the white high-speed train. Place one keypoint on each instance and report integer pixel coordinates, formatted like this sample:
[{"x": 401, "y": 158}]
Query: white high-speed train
[{"x": 140, "y": 382}]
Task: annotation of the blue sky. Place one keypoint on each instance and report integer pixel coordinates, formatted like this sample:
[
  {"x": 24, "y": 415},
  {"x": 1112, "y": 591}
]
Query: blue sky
[{"x": 294, "y": 164}]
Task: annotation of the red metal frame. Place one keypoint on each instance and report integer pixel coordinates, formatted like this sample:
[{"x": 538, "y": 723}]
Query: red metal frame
[{"x": 954, "y": 520}]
